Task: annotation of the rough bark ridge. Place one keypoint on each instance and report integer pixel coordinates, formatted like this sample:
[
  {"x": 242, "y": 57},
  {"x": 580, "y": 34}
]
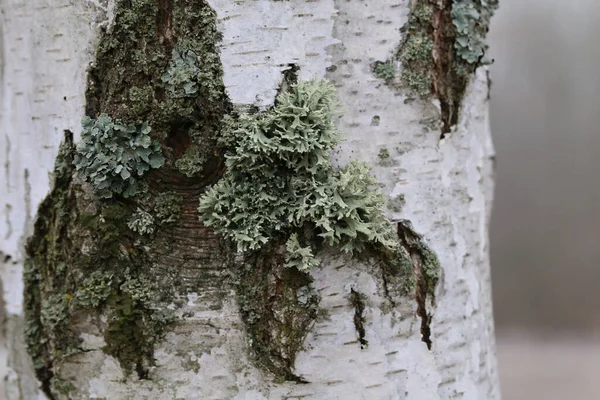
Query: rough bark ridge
[
  {"x": 129, "y": 296},
  {"x": 85, "y": 262}
]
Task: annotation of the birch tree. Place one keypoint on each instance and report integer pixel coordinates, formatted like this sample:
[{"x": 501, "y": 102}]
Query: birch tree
[{"x": 246, "y": 199}]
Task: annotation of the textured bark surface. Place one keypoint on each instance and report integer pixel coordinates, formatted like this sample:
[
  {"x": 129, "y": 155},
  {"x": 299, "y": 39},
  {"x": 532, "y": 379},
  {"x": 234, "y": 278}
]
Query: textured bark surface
[{"x": 348, "y": 329}]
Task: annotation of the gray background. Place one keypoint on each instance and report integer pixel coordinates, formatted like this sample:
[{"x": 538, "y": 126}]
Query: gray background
[{"x": 545, "y": 235}]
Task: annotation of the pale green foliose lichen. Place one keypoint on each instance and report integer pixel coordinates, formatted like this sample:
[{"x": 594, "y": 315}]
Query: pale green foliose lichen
[
  {"x": 113, "y": 156},
  {"x": 192, "y": 162},
  {"x": 181, "y": 77},
  {"x": 95, "y": 289},
  {"x": 471, "y": 20},
  {"x": 280, "y": 178},
  {"x": 384, "y": 69},
  {"x": 301, "y": 258},
  {"x": 185, "y": 76},
  {"x": 141, "y": 222},
  {"x": 168, "y": 207}
]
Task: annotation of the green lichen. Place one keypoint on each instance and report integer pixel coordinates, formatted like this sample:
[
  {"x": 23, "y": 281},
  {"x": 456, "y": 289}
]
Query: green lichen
[
  {"x": 113, "y": 157},
  {"x": 186, "y": 78},
  {"x": 182, "y": 76},
  {"x": 280, "y": 202},
  {"x": 280, "y": 178},
  {"x": 397, "y": 203},
  {"x": 168, "y": 207},
  {"x": 301, "y": 258},
  {"x": 383, "y": 154},
  {"x": 84, "y": 262},
  {"x": 416, "y": 58},
  {"x": 471, "y": 19},
  {"x": 414, "y": 54},
  {"x": 453, "y": 30},
  {"x": 55, "y": 309},
  {"x": 95, "y": 289},
  {"x": 141, "y": 222},
  {"x": 191, "y": 164},
  {"x": 79, "y": 258},
  {"x": 384, "y": 69}
]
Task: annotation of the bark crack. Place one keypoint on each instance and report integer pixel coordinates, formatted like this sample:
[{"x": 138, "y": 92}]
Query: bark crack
[
  {"x": 443, "y": 58},
  {"x": 358, "y": 302},
  {"x": 426, "y": 271}
]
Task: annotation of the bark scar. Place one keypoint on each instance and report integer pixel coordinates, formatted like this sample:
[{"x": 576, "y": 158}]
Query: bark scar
[
  {"x": 426, "y": 270},
  {"x": 358, "y": 301},
  {"x": 443, "y": 58},
  {"x": 164, "y": 22}
]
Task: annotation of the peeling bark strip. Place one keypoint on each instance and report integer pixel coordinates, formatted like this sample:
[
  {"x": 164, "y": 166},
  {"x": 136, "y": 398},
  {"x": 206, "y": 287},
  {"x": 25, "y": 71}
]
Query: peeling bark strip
[{"x": 426, "y": 269}]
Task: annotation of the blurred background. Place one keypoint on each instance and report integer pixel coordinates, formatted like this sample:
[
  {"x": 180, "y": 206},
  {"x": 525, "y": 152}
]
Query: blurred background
[{"x": 545, "y": 235}]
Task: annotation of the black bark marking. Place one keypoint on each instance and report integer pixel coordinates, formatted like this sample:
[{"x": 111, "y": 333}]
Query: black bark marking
[{"x": 358, "y": 302}]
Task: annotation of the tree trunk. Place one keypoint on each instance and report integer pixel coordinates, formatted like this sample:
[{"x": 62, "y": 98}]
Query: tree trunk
[{"x": 116, "y": 285}]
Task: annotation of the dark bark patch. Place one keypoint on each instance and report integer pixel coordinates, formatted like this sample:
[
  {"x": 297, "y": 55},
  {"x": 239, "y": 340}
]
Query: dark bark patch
[
  {"x": 278, "y": 306},
  {"x": 357, "y": 300},
  {"x": 442, "y": 46},
  {"x": 426, "y": 268}
]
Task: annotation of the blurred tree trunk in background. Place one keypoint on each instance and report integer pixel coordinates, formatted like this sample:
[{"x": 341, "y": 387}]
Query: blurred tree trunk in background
[{"x": 127, "y": 294}]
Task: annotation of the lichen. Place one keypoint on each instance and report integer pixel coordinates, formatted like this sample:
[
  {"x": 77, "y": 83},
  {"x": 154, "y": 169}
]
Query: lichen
[
  {"x": 383, "y": 154},
  {"x": 168, "y": 207},
  {"x": 280, "y": 178},
  {"x": 301, "y": 258},
  {"x": 95, "y": 289},
  {"x": 443, "y": 44},
  {"x": 83, "y": 261},
  {"x": 384, "y": 69},
  {"x": 414, "y": 55},
  {"x": 113, "y": 157},
  {"x": 280, "y": 202},
  {"x": 396, "y": 203},
  {"x": 471, "y": 19},
  {"x": 191, "y": 164},
  {"x": 275, "y": 195},
  {"x": 182, "y": 76},
  {"x": 141, "y": 222}
]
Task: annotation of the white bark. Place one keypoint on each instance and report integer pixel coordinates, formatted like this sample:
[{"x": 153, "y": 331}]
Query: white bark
[{"x": 447, "y": 186}]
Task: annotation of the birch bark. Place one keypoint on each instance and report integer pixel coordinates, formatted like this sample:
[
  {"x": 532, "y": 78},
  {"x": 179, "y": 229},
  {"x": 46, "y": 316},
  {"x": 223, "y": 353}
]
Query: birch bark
[{"x": 441, "y": 183}]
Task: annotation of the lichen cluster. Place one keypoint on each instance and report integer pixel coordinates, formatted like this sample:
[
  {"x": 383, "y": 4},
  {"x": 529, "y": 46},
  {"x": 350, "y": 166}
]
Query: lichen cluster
[
  {"x": 471, "y": 19},
  {"x": 415, "y": 52},
  {"x": 99, "y": 257},
  {"x": 141, "y": 222},
  {"x": 156, "y": 101},
  {"x": 83, "y": 258},
  {"x": 430, "y": 27},
  {"x": 113, "y": 156},
  {"x": 280, "y": 180},
  {"x": 185, "y": 76},
  {"x": 412, "y": 64}
]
